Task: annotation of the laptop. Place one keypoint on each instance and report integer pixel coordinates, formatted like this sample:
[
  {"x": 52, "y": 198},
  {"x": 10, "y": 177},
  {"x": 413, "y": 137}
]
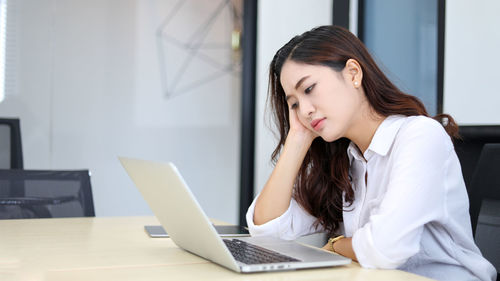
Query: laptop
[
  {"x": 157, "y": 231},
  {"x": 173, "y": 203}
]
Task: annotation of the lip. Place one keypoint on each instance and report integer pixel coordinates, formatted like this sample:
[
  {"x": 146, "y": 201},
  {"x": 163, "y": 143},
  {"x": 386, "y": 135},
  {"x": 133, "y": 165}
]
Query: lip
[{"x": 317, "y": 123}]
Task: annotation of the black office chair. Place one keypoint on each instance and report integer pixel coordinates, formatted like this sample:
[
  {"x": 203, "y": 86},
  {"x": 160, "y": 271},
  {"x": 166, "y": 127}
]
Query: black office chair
[
  {"x": 469, "y": 147},
  {"x": 468, "y": 150},
  {"x": 485, "y": 203},
  {"x": 11, "y": 152},
  {"x": 45, "y": 194}
]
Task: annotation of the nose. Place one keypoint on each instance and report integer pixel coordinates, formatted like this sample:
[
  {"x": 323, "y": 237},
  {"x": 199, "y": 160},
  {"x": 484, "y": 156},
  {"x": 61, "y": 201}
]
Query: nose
[{"x": 306, "y": 108}]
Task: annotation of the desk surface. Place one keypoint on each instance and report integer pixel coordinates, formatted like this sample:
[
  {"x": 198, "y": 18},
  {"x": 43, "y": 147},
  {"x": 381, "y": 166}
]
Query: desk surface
[{"x": 118, "y": 248}]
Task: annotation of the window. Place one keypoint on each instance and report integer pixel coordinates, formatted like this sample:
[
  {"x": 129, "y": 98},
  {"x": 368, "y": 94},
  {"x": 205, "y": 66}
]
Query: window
[{"x": 403, "y": 37}]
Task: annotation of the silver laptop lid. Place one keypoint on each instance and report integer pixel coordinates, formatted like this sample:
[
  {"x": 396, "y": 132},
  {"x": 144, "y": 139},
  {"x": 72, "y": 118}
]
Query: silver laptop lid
[{"x": 158, "y": 181}]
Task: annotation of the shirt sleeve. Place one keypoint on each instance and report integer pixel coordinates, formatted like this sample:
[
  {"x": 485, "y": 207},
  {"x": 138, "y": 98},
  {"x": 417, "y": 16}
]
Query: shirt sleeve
[
  {"x": 292, "y": 224},
  {"x": 415, "y": 196}
]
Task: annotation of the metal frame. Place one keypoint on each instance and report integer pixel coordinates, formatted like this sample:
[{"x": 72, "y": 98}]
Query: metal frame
[{"x": 248, "y": 107}]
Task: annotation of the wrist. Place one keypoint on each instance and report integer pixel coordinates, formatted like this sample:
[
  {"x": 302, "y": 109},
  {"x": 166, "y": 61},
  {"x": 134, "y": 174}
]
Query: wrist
[
  {"x": 301, "y": 138},
  {"x": 333, "y": 240}
]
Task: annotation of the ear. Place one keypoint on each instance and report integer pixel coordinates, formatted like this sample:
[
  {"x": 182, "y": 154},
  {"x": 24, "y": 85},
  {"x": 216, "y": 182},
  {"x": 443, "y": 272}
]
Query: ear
[{"x": 353, "y": 72}]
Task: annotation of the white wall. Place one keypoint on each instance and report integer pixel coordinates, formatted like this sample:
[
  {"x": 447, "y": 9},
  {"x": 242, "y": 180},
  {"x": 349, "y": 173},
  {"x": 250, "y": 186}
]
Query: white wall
[
  {"x": 86, "y": 80},
  {"x": 471, "y": 75},
  {"x": 278, "y": 22}
]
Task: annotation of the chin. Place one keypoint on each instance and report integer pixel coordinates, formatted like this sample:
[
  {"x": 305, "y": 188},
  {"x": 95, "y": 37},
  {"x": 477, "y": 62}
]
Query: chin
[{"x": 330, "y": 138}]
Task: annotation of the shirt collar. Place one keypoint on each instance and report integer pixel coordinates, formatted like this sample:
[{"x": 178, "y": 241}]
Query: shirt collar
[
  {"x": 382, "y": 139},
  {"x": 386, "y": 134},
  {"x": 353, "y": 152}
]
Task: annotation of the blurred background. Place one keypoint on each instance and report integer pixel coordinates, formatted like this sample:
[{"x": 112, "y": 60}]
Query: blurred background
[{"x": 186, "y": 81}]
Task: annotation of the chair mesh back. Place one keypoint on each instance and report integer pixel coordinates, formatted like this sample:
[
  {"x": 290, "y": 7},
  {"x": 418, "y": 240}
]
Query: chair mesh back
[
  {"x": 485, "y": 203},
  {"x": 485, "y": 183},
  {"x": 45, "y": 194},
  {"x": 4, "y": 146},
  {"x": 11, "y": 151}
]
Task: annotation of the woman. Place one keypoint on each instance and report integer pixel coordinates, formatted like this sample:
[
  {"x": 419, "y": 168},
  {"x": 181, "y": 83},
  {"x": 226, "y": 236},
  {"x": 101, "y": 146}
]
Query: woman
[{"x": 359, "y": 157}]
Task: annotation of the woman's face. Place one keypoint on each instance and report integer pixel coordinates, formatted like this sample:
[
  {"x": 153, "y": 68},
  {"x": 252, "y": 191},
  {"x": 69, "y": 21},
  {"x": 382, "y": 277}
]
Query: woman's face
[{"x": 326, "y": 102}]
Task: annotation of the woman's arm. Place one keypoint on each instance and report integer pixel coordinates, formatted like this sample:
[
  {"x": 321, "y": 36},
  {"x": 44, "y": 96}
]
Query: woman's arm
[{"x": 275, "y": 197}]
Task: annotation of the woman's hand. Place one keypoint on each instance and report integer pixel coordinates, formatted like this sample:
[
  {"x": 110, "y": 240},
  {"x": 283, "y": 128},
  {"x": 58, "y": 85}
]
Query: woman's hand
[{"x": 298, "y": 130}]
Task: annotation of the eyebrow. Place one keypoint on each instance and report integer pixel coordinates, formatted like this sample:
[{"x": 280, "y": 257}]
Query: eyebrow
[
  {"x": 300, "y": 82},
  {"x": 298, "y": 85}
]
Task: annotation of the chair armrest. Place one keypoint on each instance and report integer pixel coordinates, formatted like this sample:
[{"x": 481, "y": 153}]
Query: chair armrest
[{"x": 34, "y": 201}]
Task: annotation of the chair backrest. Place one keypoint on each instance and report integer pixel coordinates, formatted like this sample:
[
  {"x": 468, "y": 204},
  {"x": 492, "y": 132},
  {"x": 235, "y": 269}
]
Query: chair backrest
[
  {"x": 11, "y": 152},
  {"x": 469, "y": 147},
  {"x": 45, "y": 194},
  {"x": 485, "y": 203},
  {"x": 485, "y": 182}
]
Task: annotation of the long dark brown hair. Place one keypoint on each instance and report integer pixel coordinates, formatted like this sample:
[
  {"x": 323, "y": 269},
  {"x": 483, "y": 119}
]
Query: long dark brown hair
[{"x": 324, "y": 175}]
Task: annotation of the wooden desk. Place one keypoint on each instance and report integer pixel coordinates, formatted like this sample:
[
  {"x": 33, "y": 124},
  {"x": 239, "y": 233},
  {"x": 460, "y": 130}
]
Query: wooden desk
[{"x": 118, "y": 248}]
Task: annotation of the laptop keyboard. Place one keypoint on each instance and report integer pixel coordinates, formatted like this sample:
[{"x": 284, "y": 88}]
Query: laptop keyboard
[{"x": 251, "y": 254}]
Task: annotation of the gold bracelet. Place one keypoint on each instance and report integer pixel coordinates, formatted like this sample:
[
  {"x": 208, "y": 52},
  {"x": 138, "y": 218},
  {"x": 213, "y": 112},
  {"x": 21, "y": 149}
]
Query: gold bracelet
[{"x": 334, "y": 239}]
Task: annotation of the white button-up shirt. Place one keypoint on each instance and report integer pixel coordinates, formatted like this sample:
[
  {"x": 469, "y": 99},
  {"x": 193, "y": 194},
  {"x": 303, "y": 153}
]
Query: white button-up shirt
[{"x": 411, "y": 209}]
